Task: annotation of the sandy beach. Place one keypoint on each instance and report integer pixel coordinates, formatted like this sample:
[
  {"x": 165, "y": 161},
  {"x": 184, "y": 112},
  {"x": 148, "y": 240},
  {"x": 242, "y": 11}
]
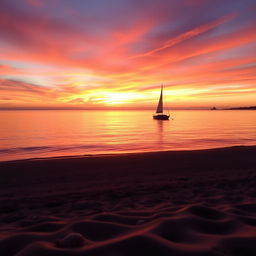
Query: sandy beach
[{"x": 198, "y": 202}]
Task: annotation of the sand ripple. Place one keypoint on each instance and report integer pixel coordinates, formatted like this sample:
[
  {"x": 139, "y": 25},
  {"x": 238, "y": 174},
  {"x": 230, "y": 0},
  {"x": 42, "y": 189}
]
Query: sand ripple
[{"x": 191, "y": 230}]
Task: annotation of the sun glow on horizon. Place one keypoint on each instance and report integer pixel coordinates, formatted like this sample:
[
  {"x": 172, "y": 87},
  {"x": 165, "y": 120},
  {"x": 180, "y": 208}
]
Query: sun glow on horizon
[{"x": 120, "y": 98}]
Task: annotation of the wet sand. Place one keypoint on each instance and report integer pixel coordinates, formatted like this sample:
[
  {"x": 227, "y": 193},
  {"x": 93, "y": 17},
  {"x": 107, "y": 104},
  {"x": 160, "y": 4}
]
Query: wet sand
[{"x": 164, "y": 203}]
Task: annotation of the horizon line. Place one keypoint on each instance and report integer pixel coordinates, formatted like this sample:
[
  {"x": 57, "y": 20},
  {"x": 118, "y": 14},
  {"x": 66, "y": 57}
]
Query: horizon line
[{"x": 118, "y": 109}]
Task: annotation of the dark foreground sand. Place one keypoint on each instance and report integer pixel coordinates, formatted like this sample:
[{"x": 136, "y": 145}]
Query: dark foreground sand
[{"x": 168, "y": 203}]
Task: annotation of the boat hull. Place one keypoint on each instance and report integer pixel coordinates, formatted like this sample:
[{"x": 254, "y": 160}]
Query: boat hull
[{"x": 161, "y": 117}]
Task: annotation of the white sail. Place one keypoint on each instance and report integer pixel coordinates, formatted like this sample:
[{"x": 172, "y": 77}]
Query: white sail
[{"x": 160, "y": 102}]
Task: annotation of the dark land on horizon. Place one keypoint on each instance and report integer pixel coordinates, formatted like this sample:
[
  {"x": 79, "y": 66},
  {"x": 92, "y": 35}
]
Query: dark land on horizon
[
  {"x": 236, "y": 108},
  {"x": 200, "y": 202},
  {"x": 244, "y": 108}
]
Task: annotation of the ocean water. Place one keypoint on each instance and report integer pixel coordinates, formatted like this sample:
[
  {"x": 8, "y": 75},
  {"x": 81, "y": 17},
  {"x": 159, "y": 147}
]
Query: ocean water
[{"x": 48, "y": 133}]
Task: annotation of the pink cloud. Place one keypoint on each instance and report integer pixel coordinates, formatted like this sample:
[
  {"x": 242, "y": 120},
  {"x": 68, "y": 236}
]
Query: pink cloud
[{"x": 35, "y": 3}]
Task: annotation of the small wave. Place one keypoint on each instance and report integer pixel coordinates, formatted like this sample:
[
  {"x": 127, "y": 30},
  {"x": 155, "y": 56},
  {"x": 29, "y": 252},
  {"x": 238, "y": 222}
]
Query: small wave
[
  {"x": 23, "y": 149},
  {"x": 44, "y": 149}
]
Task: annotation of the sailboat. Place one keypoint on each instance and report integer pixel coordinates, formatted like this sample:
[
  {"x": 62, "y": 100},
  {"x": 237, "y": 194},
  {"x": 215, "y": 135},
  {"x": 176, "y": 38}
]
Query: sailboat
[{"x": 159, "y": 115}]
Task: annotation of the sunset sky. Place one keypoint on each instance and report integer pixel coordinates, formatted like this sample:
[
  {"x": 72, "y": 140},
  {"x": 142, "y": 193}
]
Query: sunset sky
[{"x": 100, "y": 54}]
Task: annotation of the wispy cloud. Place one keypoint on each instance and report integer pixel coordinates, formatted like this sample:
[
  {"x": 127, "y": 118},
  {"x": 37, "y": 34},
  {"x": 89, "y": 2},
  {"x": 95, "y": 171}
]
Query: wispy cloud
[{"x": 189, "y": 34}]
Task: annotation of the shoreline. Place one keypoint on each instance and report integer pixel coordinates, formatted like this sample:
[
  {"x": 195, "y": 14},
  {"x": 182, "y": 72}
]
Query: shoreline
[{"x": 82, "y": 156}]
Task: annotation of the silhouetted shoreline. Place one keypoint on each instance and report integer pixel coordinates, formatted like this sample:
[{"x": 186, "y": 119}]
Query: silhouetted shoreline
[
  {"x": 235, "y": 108},
  {"x": 243, "y": 108}
]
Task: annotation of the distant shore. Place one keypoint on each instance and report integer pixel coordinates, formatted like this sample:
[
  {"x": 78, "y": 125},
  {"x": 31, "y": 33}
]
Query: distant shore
[
  {"x": 235, "y": 108},
  {"x": 199, "y": 202},
  {"x": 243, "y": 108}
]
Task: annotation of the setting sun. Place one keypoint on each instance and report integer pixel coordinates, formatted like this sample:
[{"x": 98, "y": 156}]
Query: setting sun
[{"x": 120, "y": 98}]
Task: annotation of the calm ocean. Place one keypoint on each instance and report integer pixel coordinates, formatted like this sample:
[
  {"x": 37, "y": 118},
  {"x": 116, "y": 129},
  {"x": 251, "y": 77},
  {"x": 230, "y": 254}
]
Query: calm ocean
[{"x": 35, "y": 134}]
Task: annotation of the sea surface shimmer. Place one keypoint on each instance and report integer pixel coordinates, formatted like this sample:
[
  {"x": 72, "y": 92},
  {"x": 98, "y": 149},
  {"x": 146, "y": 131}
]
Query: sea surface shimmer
[{"x": 35, "y": 134}]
